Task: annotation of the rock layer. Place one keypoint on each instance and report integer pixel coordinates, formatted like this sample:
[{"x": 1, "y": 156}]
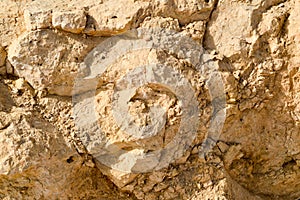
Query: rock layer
[{"x": 45, "y": 46}]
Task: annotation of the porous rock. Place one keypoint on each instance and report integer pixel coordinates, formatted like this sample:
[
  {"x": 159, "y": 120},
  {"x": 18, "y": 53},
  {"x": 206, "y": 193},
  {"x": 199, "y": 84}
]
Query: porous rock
[{"x": 49, "y": 60}]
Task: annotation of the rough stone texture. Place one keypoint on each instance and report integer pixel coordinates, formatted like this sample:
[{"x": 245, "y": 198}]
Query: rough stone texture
[
  {"x": 2, "y": 60},
  {"x": 92, "y": 17},
  {"x": 37, "y": 18},
  {"x": 73, "y": 21},
  {"x": 293, "y": 69},
  {"x": 186, "y": 11},
  {"x": 161, "y": 22},
  {"x": 11, "y": 23},
  {"x": 234, "y": 19},
  {"x": 2, "y": 56},
  {"x": 160, "y": 95},
  {"x": 49, "y": 60},
  {"x": 264, "y": 129},
  {"x": 59, "y": 14},
  {"x": 254, "y": 44},
  {"x": 113, "y": 17},
  {"x": 37, "y": 160}
]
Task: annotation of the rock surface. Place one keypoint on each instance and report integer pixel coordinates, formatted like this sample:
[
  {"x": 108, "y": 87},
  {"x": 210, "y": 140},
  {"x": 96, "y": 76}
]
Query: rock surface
[
  {"x": 113, "y": 17},
  {"x": 2, "y": 60},
  {"x": 49, "y": 59},
  {"x": 87, "y": 112},
  {"x": 73, "y": 21}
]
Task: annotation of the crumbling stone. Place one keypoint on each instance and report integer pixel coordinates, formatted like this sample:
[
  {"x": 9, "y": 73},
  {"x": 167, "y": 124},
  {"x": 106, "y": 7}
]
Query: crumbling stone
[
  {"x": 70, "y": 21},
  {"x": 114, "y": 17}
]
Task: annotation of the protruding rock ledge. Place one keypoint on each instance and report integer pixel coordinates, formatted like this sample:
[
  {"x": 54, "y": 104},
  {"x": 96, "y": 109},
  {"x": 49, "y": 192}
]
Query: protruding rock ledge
[
  {"x": 71, "y": 21},
  {"x": 101, "y": 19}
]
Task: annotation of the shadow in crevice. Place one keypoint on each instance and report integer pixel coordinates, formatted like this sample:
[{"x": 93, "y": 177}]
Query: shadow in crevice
[{"x": 6, "y": 101}]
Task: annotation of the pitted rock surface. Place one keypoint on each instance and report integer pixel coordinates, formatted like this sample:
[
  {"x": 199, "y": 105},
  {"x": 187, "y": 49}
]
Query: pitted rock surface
[{"x": 45, "y": 46}]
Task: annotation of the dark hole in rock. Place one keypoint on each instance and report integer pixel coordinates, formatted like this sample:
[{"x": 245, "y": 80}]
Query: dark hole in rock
[{"x": 70, "y": 160}]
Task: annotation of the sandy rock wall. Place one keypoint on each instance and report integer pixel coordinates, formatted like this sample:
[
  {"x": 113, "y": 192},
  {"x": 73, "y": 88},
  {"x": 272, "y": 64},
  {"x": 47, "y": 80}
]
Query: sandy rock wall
[{"x": 150, "y": 99}]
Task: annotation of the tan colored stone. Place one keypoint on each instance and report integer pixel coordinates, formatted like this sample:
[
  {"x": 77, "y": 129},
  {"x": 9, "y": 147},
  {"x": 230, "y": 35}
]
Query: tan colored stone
[
  {"x": 20, "y": 83},
  {"x": 113, "y": 17},
  {"x": 293, "y": 33},
  {"x": 66, "y": 15},
  {"x": 38, "y": 15},
  {"x": 157, "y": 177},
  {"x": 37, "y": 146},
  {"x": 256, "y": 45},
  {"x": 186, "y": 11},
  {"x": 160, "y": 22},
  {"x": 2, "y": 56},
  {"x": 49, "y": 60},
  {"x": 195, "y": 30},
  {"x": 70, "y": 21},
  {"x": 230, "y": 28},
  {"x": 11, "y": 20},
  {"x": 6, "y": 102},
  {"x": 2, "y": 60},
  {"x": 272, "y": 20},
  {"x": 194, "y": 9}
]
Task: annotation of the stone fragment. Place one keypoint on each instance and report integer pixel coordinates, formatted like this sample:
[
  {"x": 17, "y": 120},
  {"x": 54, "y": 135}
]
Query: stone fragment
[
  {"x": 2, "y": 70},
  {"x": 186, "y": 11},
  {"x": 233, "y": 153},
  {"x": 38, "y": 16},
  {"x": 238, "y": 31},
  {"x": 128, "y": 188},
  {"x": 273, "y": 20},
  {"x": 160, "y": 187},
  {"x": 11, "y": 21},
  {"x": 2, "y": 60},
  {"x": 70, "y": 21},
  {"x": 139, "y": 194},
  {"x": 20, "y": 83},
  {"x": 148, "y": 186},
  {"x": 66, "y": 15},
  {"x": 37, "y": 162},
  {"x": 113, "y": 17},
  {"x": 222, "y": 146},
  {"x": 195, "y": 30},
  {"x": 28, "y": 140},
  {"x": 4, "y": 120},
  {"x": 195, "y": 10},
  {"x": 183, "y": 159},
  {"x": 293, "y": 77},
  {"x": 9, "y": 68},
  {"x": 151, "y": 196},
  {"x": 157, "y": 177},
  {"x": 49, "y": 60},
  {"x": 293, "y": 31},
  {"x": 170, "y": 193},
  {"x": 6, "y": 102},
  {"x": 2, "y": 56},
  {"x": 160, "y": 22},
  {"x": 235, "y": 29}
]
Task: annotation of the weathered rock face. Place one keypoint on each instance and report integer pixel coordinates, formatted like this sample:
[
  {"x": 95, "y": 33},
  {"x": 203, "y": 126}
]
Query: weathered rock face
[
  {"x": 37, "y": 160},
  {"x": 259, "y": 98},
  {"x": 2, "y": 60},
  {"x": 116, "y": 17},
  {"x": 174, "y": 99},
  {"x": 72, "y": 21},
  {"x": 49, "y": 60},
  {"x": 92, "y": 17},
  {"x": 186, "y": 11}
]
